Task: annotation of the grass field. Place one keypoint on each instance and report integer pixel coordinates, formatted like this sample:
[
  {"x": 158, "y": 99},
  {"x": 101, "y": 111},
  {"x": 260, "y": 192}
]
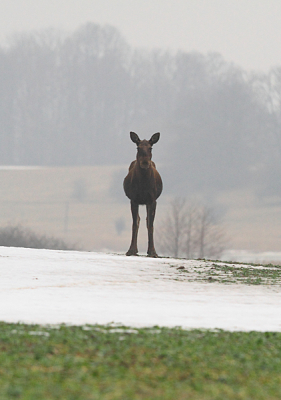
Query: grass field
[
  {"x": 229, "y": 273},
  {"x": 116, "y": 362}
]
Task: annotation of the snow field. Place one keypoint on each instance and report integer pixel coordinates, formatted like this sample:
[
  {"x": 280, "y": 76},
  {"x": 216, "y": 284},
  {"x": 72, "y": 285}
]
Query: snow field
[{"x": 53, "y": 287}]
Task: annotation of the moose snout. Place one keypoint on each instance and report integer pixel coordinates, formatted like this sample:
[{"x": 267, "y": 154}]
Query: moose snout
[{"x": 145, "y": 164}]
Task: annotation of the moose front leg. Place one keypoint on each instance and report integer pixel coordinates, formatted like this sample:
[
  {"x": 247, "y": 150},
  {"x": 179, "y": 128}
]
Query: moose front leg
[
  {"x": 133, "y": 250},
  {"x": 151, "y": 208}
]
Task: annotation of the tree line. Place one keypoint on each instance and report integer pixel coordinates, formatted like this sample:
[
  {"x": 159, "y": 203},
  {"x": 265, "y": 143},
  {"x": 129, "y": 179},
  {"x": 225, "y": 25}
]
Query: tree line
[{"x": 73, "y": 99}]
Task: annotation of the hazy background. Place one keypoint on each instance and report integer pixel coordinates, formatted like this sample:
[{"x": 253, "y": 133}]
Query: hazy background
[
  {"x": 76, "y": 77},
  {"x": 245, "y": 32}
]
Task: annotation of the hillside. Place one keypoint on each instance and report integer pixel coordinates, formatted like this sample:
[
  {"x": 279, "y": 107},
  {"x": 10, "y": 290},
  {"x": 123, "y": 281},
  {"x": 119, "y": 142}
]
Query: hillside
[{"x": 53, "y": 287}]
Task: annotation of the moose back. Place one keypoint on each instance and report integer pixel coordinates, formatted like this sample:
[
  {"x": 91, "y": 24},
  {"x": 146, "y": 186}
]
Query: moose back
[{"x": 143, "y": 185}]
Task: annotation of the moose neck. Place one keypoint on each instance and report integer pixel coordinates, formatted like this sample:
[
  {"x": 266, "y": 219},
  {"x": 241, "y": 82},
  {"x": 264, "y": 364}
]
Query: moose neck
[{"x": 144, "y": 172}]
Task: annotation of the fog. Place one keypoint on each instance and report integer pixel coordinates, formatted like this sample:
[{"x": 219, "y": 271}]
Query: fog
[
  {"x": 72, "y": 99},
  {"x": 245, "y": 32}
]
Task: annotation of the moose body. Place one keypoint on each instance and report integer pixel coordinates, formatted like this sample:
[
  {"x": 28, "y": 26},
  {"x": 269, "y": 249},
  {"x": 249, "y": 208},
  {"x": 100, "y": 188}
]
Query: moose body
[{"x": 143, "y": 185}]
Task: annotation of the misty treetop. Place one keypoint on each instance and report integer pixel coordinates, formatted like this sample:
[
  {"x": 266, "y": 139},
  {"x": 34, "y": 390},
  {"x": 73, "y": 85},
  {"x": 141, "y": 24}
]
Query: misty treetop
[{"x": 73, "y": 99}]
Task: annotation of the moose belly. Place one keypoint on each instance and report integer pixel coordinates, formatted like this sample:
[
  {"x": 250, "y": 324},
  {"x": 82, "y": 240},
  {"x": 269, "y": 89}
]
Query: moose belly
[{"x": 143, "y": 198}]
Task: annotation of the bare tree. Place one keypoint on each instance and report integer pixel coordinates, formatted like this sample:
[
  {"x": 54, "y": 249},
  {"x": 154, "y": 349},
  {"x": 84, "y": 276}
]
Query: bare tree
[
  {"x": 191, "y": 230},
  {"x": 210, "y": 234},
  {"x": 173, "y": 227}
]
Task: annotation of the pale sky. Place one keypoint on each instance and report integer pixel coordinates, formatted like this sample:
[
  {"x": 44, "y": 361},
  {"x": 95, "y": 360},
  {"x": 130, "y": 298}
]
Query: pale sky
[{"x": 246, "y": 32}]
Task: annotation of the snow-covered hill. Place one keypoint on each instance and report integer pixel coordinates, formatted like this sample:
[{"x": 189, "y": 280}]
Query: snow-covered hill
[{"x": 51, "y": 287}]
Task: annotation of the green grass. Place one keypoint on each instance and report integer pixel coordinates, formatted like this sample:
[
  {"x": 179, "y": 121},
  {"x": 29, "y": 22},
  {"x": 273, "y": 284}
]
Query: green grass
[
  {"x": 224, "y": 272},
  {"x": 105, "y": 362},
  {"x": 249, "y": 274}
]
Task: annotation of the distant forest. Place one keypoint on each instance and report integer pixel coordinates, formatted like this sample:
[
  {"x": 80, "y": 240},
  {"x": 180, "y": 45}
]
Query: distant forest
[{"x": 73, "y": 99}]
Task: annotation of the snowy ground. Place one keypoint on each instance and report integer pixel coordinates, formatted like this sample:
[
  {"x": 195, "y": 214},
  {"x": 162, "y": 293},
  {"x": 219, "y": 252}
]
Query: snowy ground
[
  {"x": 50, "y": 287},
  {"x": 252, "y": 257}
]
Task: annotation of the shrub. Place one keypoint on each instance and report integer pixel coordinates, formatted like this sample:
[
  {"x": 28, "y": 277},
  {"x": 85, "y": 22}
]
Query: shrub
[{"x": 18, "y": 236}]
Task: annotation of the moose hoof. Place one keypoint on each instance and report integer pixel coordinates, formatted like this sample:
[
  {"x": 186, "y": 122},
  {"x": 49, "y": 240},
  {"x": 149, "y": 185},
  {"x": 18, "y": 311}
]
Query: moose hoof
[
  {"x": 154, "y": 255},
  {"x": 132, "y": 253}
]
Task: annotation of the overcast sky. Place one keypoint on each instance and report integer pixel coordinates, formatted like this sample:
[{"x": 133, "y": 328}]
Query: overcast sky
[{"x": 247, "y": 32}]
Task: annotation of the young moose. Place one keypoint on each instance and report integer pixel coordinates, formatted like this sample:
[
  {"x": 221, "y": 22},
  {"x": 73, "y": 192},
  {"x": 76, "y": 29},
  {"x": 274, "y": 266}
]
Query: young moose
[{"x": 143, "y": 185}]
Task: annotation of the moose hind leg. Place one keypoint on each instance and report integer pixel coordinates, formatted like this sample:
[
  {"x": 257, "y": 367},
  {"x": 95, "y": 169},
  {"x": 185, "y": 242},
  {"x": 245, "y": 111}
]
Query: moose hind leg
[
  {"x": 151, "y": 208},
  {"x": 133, "y": 250}
]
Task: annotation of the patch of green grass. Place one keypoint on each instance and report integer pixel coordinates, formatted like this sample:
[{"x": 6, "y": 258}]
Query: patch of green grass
[
  {"x": 249, "y": 274},
  {"x": 223, "y": 272},
  {"x": 105, "y": 362}
]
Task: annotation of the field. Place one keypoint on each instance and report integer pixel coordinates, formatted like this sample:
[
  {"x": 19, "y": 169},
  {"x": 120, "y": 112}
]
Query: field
[
  {"x": 71, "y": 203},
  {"x": 73, "y": 350},
  {"x": 117, "y": 362},
  {"x": 86, "y": 206}
]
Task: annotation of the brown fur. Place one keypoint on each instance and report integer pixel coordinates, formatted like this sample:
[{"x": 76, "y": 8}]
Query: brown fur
[{"x": 143, "y": 185}]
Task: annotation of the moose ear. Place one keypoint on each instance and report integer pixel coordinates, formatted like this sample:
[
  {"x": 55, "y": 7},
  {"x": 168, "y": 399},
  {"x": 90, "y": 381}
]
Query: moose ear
[
  {"x": 154, "y": 138},
  {"x": 134, "y": 137}
]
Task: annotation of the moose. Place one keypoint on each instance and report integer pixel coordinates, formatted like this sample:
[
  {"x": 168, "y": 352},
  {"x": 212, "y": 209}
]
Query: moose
[{"x": 143, "y": 186}]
